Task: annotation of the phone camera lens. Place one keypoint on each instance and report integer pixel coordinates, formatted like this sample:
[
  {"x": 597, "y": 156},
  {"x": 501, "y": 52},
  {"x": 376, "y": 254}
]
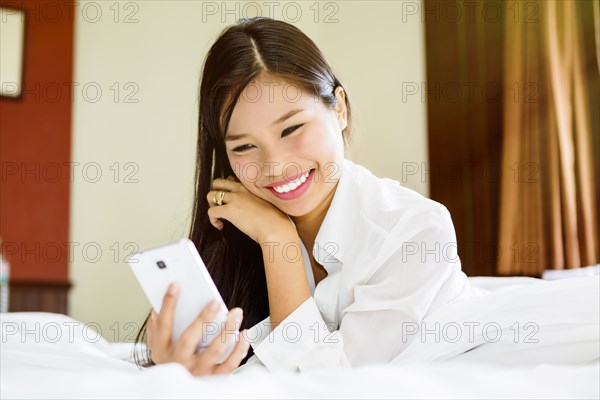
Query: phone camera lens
[{"x": 161, "y": 264}]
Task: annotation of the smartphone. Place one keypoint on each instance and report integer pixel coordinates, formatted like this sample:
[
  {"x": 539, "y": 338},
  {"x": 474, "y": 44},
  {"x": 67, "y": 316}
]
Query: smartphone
[{"x": 180, "y": 262}]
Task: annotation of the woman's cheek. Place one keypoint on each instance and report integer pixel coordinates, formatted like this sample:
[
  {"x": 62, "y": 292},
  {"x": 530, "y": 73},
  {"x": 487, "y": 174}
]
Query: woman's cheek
[
  {"x": 308, "y": 143},
  {"x": 247, "y": 171},
  {"x": 237, "y": 165},
  {"x": 320, "y": 144}
]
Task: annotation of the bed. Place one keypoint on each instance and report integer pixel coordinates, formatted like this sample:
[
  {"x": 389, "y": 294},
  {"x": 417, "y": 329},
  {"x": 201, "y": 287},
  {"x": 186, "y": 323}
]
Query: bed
[{"x": 48, "y": 355}]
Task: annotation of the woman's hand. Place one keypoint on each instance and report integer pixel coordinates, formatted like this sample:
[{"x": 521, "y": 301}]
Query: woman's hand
[
  {"x": 164, "y": 350},
  {"x": 254, "y": 216}
]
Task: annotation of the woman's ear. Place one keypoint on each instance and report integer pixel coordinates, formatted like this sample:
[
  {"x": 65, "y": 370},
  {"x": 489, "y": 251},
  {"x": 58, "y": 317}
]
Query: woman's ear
[{"x": 341, "y": 109}]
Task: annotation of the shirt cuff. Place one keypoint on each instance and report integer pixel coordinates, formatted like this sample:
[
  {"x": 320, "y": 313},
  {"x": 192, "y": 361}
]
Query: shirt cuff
[
  {"x": 252, "y": 364},
  {"x": 301, "y": 342},
  {"x": 257, "y": 333}
]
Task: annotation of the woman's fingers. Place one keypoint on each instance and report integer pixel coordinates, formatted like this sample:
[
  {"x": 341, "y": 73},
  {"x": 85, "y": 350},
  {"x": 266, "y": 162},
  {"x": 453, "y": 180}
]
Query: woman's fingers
[
  {"x": 162, "y": 349},
  {"x": 228, "y": 197},
  {"x": 239, "y": 353},
  {"x": 217, "y": 347},
  {"x": 193, "y": 334},
  {"x": 210, "y": 197},
  {"x": 150, "y": 327},
  {"x": 217, "y": 214},
  {"x": 164, "y": 321},
  {"x": 230, "y": 188},
  {"x": 229, "y": 184}
]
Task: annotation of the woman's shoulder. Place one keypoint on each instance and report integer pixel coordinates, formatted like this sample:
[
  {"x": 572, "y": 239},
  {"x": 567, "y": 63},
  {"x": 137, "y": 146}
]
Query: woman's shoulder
[{"x": 386, "y": 202}]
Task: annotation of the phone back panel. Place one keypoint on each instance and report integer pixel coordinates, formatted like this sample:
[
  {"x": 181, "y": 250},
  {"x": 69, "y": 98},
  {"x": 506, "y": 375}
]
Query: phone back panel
[{"x": 179, "y": 262}]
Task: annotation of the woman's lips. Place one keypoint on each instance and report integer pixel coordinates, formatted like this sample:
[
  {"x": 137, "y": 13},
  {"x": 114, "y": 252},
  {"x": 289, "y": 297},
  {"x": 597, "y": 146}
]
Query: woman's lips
[
  {"x": 299, "y": 191},
  {"x": 285, "y": 181}
]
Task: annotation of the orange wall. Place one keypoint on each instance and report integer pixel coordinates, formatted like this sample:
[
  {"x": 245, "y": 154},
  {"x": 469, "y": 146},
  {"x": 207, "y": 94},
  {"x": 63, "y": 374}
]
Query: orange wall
[{"x": 35, "y": 141}]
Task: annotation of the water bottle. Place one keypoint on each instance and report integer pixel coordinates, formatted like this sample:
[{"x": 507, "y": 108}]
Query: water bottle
[{"x": 4, "y": 274}]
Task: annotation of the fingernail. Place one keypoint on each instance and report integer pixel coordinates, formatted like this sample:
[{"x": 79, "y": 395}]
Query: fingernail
[
  {"x": 173, "y": 288},
  {"x": 213, "y": 306},
  {"x": 237, "y": 314},
  {"x": 153, "y": 315}
]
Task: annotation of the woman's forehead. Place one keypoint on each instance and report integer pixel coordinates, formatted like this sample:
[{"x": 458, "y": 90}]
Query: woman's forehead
[
  {"x": 266, "y": 102},
  {"x": 272, "y": 90}
]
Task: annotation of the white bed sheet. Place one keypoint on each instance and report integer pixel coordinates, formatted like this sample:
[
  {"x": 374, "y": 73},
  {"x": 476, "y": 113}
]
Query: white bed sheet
[
  {"x": 75, "y": 367},
  {"x": 520, "y": 321}
]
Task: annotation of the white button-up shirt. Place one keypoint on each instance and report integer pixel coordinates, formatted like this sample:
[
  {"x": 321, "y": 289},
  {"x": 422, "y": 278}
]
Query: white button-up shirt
[{"x": 390, "y": 256}]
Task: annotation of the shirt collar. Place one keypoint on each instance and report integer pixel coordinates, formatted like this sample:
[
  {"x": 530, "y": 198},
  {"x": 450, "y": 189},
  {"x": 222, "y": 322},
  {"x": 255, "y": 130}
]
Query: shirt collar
[{"x": 337, "y": 232}]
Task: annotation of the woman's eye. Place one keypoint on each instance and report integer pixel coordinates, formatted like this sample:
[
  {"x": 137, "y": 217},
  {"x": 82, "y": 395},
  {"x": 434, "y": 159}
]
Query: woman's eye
[
  {"x": 290, "y": 130},
  {"x": 243, "y": 148}
]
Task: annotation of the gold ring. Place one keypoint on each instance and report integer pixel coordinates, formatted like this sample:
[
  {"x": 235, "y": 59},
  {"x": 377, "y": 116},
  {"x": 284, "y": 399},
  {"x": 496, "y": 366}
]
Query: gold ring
[{"x": 218, "y": 197}]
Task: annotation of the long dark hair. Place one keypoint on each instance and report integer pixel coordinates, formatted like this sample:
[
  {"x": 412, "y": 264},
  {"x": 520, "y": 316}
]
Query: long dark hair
[{"x": 244, "y": 51}]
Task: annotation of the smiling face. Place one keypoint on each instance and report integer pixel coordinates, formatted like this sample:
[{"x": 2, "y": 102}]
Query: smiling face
[{"x": 285, "y": 145}]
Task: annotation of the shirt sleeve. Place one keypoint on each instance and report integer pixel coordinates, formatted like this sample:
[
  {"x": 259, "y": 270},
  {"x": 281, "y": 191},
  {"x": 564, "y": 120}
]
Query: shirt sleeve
[
  {"x": 301, "y": 342},
  {"x": 418, "y": 275},
  {"x": 412, "y": 275}
]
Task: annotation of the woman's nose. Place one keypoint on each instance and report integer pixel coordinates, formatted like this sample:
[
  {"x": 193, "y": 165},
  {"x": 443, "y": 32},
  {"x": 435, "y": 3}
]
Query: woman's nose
[
  {"x": 272, "y": 160},
  {"x": 276, "y": 164}
]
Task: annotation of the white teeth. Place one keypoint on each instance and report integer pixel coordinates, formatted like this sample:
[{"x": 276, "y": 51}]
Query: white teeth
[{"x": 292, "y": 185}]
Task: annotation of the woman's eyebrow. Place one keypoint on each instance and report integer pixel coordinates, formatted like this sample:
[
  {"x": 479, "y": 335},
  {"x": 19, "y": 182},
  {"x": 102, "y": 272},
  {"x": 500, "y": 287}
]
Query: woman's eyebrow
[
  {"x": 279, "y": 120},
  {"x": 287, "y": 115}
]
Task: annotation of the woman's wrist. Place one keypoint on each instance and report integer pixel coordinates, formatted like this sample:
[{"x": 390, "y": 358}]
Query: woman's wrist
[
  {"x": 285, "y": 273},
  {"x": 283, "y": 232}
]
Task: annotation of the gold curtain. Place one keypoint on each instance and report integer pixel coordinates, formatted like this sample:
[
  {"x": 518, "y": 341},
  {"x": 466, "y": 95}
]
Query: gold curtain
[{"x": 548, "y": 204}]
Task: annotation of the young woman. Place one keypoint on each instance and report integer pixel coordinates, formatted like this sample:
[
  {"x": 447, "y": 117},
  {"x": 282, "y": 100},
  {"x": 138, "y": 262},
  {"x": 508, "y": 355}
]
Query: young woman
[{"x": 328, "y": 262}]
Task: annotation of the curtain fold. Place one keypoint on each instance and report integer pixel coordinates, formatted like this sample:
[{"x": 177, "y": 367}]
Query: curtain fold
[{"x": 548, "y": 203}]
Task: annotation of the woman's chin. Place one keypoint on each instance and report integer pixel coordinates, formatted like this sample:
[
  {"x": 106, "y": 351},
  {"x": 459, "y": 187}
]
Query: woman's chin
[{"x": 298, "y": 211}]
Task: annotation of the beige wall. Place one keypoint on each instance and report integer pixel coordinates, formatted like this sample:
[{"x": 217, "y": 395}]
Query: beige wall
[{"x": 148, "y": 133}]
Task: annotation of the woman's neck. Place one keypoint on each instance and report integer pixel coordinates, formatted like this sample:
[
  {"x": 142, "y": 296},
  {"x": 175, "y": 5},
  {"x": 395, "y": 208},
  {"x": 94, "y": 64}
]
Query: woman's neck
[{"x": 308, "y": 225}]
